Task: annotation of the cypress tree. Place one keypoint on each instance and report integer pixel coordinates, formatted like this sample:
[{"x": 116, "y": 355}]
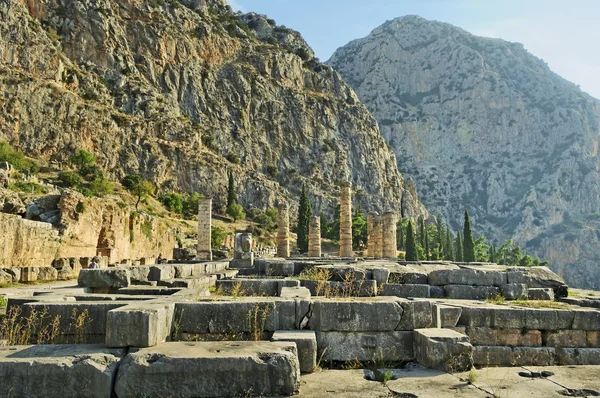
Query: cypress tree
[
  {"x": 468, "y": 242},
  {"x": 422, "y": 231},
  {"x": 304, "y": 213},
  {"x": 400, "y": 240},
  {"x": 411, "y": 246},
  {"x": 427, "y": 255},
  {"x": 440, "y": 234},
  {"x": 493, "y": 253},
  {"x": 459, "y": 248},
  {"x": 231, "y": 199},
  {"x": 449, "y": 255}
]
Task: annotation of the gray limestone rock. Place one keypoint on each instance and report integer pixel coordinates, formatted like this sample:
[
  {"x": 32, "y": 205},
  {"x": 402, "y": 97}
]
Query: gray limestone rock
[{"x": 104, "y": 278}]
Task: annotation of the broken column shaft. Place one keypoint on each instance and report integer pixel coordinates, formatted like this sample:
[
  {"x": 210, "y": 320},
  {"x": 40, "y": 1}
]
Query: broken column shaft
[
  {"x": 283, "y": 232},
  {"x": 374, "y": 235},
  {"x": 204, "y": 250},
  {"x": 390, "y": 249},
  {"x": 314, "y": 237},
  {"x": 346, "y": 220}
]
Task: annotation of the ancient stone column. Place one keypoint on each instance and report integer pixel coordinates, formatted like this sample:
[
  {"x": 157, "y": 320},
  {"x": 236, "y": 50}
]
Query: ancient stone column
[
  {"x": 346, "y": 220},
  {"x": 390, "y": 248},
  {"x": 283, "y": 232},
  {"x": 374, "y": 235},
  {"x": 204, "y": 229},
  {"x": 314, "y": 237}
]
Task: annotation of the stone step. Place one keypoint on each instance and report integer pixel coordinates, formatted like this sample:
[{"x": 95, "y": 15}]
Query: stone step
[
  {"x": 210, "y": 369},
  {"x": 443, "y": 349}
]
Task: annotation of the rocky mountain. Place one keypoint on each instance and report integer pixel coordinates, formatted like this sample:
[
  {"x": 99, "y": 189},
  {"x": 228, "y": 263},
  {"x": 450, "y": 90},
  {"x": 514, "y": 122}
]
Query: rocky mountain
[
  {"x": 482, "y": 124},
  {"x": 181, "y": 92}
]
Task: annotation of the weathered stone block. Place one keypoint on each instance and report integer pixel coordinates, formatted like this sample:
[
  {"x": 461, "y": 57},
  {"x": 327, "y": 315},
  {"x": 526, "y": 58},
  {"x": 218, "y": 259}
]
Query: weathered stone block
[
  {"x": 47, "y": 274},
  {"x": 549, "y": 319},
  {"x": 405, "y": 291},
  {"x": 29, "y": 274},
  {"x": 306, "y": 343},
  {"x": 443, "y": 349},
  {"x": 104, "y": 278},
  {"x": 183, "y": 270},
  {"x": 492, "y": 356},
  {"x": 139, "y": 325},
  {"x": 255, "y": 287},
  {"x": 578, "y": 356},
  {"x": 533, "y": 356},
  {"x": 476, "y": 317},
  {"x": 565, "y": 338},
  {"x": 161, "y": 272},
  {"x": 14, "y": 275},
  {"x": 417, "y": 314},
  {"x": 539, "y": 277},
  {"x": 65, "y": 273},
  {"x": 445, "y": 316},
  {"x": 436, "y": 291},
  {"x": 464, "y": 292},
  {"x": 367, "y": 288},
  {"x": 408, "y": 277},
  {"x": 366, "y": 346},
  {"x": 586, "y": 319},
  {"x": 504, "y": 337},
  {"x": 228, "y": 316},
  {"x": 356, "y": 315},
  {"x": 467, "y": 276},
  {"x": 510, "y": 318},
  {"x": 593, "y": 338},
  {"x": 139, "y": 274},
  {"x": 286, "y": 314},
  {"x": 514, "y": 291},
  {"x": 210, "y": 369},
  {"x": 58, "y": 370},
  {"x": 295, "y": 292},
  {"x": 540, "y": 294},
  {"x": 59, "y": 263},
  {"x": 380, "y": 275}
]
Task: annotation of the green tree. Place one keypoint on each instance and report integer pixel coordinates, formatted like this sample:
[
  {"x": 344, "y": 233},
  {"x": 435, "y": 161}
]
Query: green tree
[
  {"x": 217, "y": 236},
  {"x": 411, "y": 245},
  {"x": 439, "y": 234},
  {"x": 324, "y": 225},
  {"x": 422, "y": 231},
  {"x": 231, "y": 197},
  {"x": 130, "y": 181},
  {"x": 173, "y": 202},
  {"x": 426, "y": 238},
  {"x": 459, "y": 248},
  {"x": 69, "y": 179},
  {"x": 82, "y": 158},
  {"x": 141, "y": 191},
  {"x": 190, "y": 205},
  {"x": 401, "y": 236},
  {"x": 481, "y": 250},
  {"x": 468, "y": 241},
  {"x": 236, "y": 211},
  {"x": 100, "y": 187},
  {"x": 304, "y": 213},
  {"x": 449, "y": 247},
  {"x": 16, "y": 159},
  {"x": 359, "y": 230}
]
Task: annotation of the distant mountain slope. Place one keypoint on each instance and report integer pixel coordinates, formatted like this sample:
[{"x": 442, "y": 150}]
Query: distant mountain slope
[
  {"x": 183, "y": 91},
  {"x": 483, "y": 124}
]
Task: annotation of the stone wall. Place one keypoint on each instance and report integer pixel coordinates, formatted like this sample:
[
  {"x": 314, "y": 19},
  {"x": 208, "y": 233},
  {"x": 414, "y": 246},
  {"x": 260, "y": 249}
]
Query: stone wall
[{"x": 87, "y": 227}]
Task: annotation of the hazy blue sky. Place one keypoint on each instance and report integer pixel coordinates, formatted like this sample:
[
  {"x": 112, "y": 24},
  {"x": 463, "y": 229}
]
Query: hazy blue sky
[{"x": 565, "y": 33}]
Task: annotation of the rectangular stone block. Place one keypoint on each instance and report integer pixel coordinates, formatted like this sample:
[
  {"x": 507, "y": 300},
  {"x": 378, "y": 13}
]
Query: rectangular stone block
[
  {"x": 286, "y": 314},
  {"x": 183, "y": 270},
  {"x": 380, "y": 275},
  {"x": 405, "y": 291},
  {"x": 255, "y": 287},
  {"x": 238, "y": 316},
  {"x": 593, "y": 338},
  {"x": 549, "y": 319},
  {"x": 417, "y": 314},
  {"x": 476, "y": 316},
  {"x": 110, "y": 278},
  {"x": 443, "y": 349},
  {"x": 366, "y": 346},
  {"x": 533, "y": 356},
  {"x": 540, "y": 294},
  {"x": 161, "y": 272},
  {"x": 467, "y": 276},
  {"x": 514, "y": 291},
  {"x": 446, "y": 316},
  {"x": 139, "y": 274},
  {"x": 464, "y": 292},
  {"x": 210, "y": 369},
  {"x": 295, "y": 292},
  {"x": 578, "y": 356},
  {"x": 408, "y": 277},
  {"x": 565, "y": 338},
  {"x": 481, "y": 336},
  {"x": 141, "y": 324},
  {"x": 586, "y": 319},
  {"x": 510, "y": 318},
  {"x": 488, "y": 356},
  {"x": 68, "y": 371},
  {"x": 306, "y": 343},
  {"x": 29, "y": 274},
  {"x": 366, "y": 288},
  {"x": 356, "y": 315}
]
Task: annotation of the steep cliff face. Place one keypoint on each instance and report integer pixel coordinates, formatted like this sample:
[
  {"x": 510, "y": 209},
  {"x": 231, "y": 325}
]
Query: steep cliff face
[
  {"x": 183, "y": 91},
  {"x": 482, "y": 124}
]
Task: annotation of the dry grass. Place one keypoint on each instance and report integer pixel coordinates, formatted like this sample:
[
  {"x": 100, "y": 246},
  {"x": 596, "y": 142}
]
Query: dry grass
[
  {"x": 256, "y": 322},
  {"x": 496, "y": 299},
  {"x": 540, "y": 304}
]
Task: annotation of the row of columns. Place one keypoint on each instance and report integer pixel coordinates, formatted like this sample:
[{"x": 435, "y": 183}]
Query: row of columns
[{"x": 381, "y": 231}]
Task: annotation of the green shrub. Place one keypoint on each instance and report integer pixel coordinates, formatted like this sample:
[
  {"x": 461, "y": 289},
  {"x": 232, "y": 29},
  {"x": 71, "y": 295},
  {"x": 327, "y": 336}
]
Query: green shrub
[
  {"x": 69, "y": 179},
  {"x": 82, "y": 158},
  {"x": 146, "y": 228},
  {"x": 130, "y": 181},
  {"x": 190, "y": 205},
  {"x": 217, "y": 236},
  {"x": 91, "y": 172},
  {"x": 236, "y": 211},
  {"x": 272, "y": 170},
  {"x": 16, "y": 159},
  {"x": 100, "y": 187},
  {"x": 272, "y": 40},
  {"x": 80, "y": 208},
  {"x": 233, "y": 158},
  {"x": 172, "y": 202},
  {"x": 28, "y": 187}
]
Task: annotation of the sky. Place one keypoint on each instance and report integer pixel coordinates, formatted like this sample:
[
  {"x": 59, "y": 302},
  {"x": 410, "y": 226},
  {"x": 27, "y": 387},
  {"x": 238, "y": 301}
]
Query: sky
[{"x": 564, "y": 33}]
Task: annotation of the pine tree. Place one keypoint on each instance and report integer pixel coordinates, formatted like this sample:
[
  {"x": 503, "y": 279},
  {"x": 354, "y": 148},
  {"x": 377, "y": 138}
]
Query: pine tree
[
  {"x": 400, "y": 240},
  {"x": 411, "y": 246},
  {"x": 440, "y": 234},
  {"x": 468, "y": 242},
  {"x": 231, "y": 197},
  {"x": 493, "y": 253},
  {"x": 422, "y": 232},
  {"x": 304, "y": 213},
  {"x": 459, "y": 248},
  {"x": 427, "y": 255}
]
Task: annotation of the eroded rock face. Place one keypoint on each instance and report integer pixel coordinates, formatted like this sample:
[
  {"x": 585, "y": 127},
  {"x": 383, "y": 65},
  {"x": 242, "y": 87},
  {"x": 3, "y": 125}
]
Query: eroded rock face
[
  {"x": 173, "y": 91},
  {"x": 481, "y": 123}
]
